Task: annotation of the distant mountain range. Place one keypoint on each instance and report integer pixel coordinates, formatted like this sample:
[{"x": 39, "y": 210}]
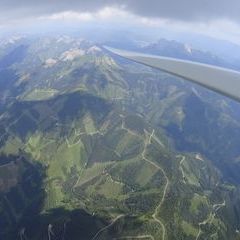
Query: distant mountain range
[{"x": 175, "y": 49}]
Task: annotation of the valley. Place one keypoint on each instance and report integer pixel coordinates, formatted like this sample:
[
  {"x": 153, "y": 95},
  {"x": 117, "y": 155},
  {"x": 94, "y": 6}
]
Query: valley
[{"x": 98, "y": 147}]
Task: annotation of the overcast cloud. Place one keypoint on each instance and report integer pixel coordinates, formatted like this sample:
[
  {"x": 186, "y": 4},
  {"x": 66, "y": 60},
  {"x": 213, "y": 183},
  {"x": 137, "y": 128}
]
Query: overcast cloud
[
  {"x": 184, "y": 10},
  {"x": 218, "y": 18}
]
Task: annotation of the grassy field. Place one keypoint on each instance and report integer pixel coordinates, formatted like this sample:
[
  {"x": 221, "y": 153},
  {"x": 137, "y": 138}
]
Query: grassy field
[{"x": 40, "y": 94}]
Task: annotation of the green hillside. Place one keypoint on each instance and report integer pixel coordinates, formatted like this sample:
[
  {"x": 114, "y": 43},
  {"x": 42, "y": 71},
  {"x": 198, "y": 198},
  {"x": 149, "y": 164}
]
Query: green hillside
[{"x": 94, "y": 147}]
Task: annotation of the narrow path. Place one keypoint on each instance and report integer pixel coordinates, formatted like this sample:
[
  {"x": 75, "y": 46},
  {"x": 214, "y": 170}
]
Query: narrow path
[
  {"x": 11, "y": 124},
  {"x": 154, "y": 216},
  {"x": 108, "y": 226},
  {"x": 81, "y": 134},
  {"x": 201, "y": 224},
  {"x": 181, "y": 169},
  {"x": 150, "y": 138},
  {"x": 78, "y": 180},
  {"x": 64, "y": 229},
  {"x": 71, "y": 127},
  {"x": 153, "y": 136},
  {"x": 50, "y": 231},
  {"x": 210, "y": 218},
  {"x": 216, "y": 207},
  {"x": 126, "y": 129},
  {"x": 22, "y": 234},
  {"x": 69, "y": 145}
]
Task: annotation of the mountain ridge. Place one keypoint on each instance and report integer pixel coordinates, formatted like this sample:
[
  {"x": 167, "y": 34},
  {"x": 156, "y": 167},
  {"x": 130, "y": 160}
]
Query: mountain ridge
[{"x": 100, "y": 138}]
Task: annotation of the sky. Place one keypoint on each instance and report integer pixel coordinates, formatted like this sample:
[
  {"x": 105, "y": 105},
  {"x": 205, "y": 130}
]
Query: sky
[{"x": 215, "y": 18}]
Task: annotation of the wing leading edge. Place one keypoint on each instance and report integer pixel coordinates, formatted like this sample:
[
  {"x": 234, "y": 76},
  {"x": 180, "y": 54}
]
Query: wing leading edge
[{"x": 221, "y": 80}]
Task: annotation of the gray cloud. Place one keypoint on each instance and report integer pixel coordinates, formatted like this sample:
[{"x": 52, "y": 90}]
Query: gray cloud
[
  {"x": 199, "y": 10},
  {"x": 184, "y": 10}
]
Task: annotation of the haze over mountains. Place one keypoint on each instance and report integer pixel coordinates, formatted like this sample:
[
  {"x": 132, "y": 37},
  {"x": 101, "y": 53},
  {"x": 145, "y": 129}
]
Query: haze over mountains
[{"x": 96, "y": 147}]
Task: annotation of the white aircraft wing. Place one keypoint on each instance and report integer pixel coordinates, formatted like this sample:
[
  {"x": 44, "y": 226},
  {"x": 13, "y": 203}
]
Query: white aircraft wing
[{"x": 221, "y": 80}]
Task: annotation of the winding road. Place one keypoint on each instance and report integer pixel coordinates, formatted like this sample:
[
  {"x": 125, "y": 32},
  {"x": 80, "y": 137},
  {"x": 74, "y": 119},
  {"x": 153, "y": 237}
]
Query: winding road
[
  {"x": 154, "y": 216},
  {"x": 210, "y": 218},
  {"x": 108, "y": 226}
]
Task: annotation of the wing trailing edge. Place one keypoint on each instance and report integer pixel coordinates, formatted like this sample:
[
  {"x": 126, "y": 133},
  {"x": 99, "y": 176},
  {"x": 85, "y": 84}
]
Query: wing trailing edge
[{"x": 221, "y": 80}]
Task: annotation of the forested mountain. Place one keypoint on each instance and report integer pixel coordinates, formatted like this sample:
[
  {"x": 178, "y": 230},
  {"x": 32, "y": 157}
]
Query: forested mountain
[{"x": 96, "y": 147}]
